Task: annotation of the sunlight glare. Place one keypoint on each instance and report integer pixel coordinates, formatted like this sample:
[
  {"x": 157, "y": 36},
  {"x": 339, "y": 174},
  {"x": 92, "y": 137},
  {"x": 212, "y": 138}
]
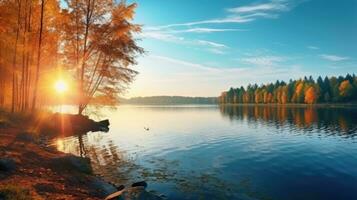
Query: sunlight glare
[{"x": 61, "y": 86}]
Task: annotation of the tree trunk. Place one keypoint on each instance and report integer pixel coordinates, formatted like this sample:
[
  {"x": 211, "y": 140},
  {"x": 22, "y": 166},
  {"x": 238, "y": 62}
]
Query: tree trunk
[
  {"x": 2, "y": 79},
  {"x": 37, "y": 75},
  {"x": 84, "y": 55},
  {"x": 27, "y": 72},
  {"x": 22, "y": 83},
  {"x": 14, "y": 59}
]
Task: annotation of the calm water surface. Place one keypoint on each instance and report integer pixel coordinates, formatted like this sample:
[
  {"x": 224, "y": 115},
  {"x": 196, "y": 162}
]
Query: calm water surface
[{"x": 233, "y": 152}]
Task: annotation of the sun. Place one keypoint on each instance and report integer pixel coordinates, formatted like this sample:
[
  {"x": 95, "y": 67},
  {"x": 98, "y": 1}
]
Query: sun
[{"x": 61, "y": 86}]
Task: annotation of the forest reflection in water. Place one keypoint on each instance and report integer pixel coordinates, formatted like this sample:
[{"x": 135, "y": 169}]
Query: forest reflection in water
[
  {"x": 332, "y": 120},
  {"x": 227, "y": 152},
  {"x": 105, "y": 158}
]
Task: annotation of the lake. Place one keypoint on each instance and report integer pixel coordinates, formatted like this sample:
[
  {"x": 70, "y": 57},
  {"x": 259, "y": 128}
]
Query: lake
[{"x": 228, "y": 152}]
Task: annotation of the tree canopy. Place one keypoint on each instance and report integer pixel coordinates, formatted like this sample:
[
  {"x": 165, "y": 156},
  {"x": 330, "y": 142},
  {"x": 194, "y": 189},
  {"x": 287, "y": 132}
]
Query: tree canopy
[{"x": 307, "y": 90}]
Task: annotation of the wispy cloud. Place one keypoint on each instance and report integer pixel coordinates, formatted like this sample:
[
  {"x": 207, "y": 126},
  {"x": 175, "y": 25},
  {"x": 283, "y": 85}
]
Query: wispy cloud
[
  {"x": 212, "y": 44},
  {"x": 232, "y": 19},
  {"x": 162, "y": 36},
  {"x": 334, "y": 58},
  {"x": 313, "y": 47},
  {"x": 184, "y": 63},
  {"x": 216, "y": 51},
  {"x": 175, "y": 76},
  {"x": 199, "y": 68},
  {"x": 245, "y": 14},
  {"x": 213, "y": 47},
  {"x": 264, "y": 60},
  {"x": 206, "y": 30},
  {"x": 274, "y": 5},
  {"x": 269, "y": 63},
  {"x": 192, "y": 30}
]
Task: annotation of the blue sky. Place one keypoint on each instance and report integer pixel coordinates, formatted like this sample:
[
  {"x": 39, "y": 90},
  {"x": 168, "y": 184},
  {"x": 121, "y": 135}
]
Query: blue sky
[{"x": 203, "y": 47}]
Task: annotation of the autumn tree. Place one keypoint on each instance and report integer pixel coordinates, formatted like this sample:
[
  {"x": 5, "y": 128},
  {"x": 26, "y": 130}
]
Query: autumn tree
[
  {"x": 346, "y": 89},
  {"x": 299, "y": 92},
  {"x": 306, "y": 90},
  {"x": 311, "y": 95},
  {"x": 20, "y": 30},
  {"x": 101, "y": 48},
  {"x": 284, "y": 95},
  {"x": 223, "y": 98}
]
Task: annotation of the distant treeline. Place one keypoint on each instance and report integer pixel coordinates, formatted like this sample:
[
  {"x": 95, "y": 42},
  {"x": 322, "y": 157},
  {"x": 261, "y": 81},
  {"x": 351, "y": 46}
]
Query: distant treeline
[
  {"x": 170, "y": 100},
  {"x": 307, "y": 90}
]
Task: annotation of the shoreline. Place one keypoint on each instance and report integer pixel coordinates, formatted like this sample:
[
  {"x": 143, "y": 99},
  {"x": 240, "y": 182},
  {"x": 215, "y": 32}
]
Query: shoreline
[
  {"x": 45, "y": 173},
  {"x": 30, "y": 169}
]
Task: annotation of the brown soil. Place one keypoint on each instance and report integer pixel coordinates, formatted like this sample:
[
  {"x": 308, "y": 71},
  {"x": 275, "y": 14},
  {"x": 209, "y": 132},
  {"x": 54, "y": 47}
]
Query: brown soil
[{"x": 36, "y": 172}]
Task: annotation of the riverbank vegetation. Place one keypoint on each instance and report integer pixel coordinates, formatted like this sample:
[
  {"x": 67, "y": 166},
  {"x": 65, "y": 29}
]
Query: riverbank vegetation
[{"x": 303, "y": 91}]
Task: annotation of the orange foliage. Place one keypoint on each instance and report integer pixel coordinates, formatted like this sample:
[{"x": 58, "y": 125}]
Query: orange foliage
[
  {"x": 299, "y": 88},
  {"x": 284, "y": 95},
  {"x": 310, "y": 95},
  {"x": 345, "y": 88}
]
